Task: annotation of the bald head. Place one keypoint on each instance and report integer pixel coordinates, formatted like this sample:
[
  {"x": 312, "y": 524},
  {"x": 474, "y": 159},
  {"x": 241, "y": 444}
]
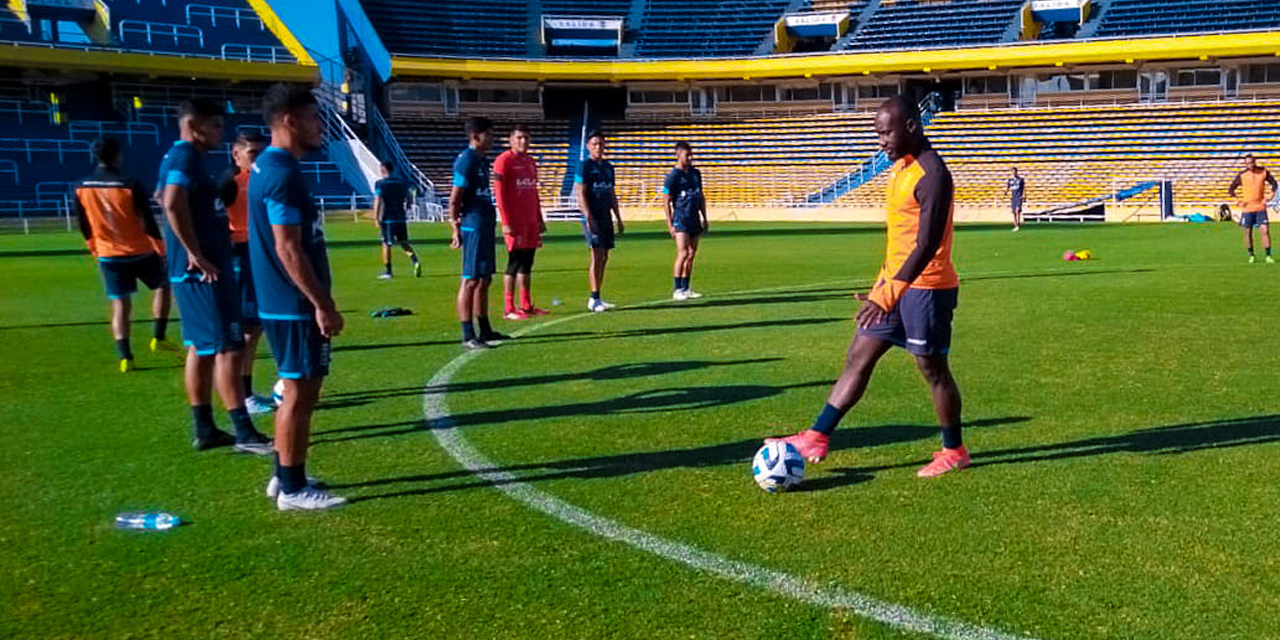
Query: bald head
[{"x": 899, "y": 128}]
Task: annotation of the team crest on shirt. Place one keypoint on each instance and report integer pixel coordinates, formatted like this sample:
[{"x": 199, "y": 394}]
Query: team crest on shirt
[{"x": 527, "y": 183}]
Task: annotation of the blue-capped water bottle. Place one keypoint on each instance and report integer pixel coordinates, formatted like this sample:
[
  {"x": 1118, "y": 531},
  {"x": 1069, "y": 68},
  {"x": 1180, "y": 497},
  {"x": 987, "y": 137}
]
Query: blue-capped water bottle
[{"x": 153, "y": 521}]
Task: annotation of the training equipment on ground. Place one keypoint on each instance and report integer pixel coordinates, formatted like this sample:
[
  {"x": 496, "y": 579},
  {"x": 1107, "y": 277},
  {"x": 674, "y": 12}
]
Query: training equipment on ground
[
  {"x": 1070, "y": 256},
  {"x": 778, "y": 467},
  {"x": 277, "y": 392}
]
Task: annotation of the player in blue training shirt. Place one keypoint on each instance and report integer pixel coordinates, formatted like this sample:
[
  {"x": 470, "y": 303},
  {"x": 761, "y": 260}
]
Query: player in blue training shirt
[
  {"x": 593, "y": 185},
  {"x": 473, "y": 216},
  {"x": 686, "y": 210},
  {"x": 391, "y": 197},
  {"x": 1016, "y": 189},
  {"x": 204, "y": 281},
  {"x": 291, "y": 275}
]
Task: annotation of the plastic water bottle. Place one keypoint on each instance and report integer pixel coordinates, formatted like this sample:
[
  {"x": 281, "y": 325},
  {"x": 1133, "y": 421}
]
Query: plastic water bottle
[{"x": 154, "y": 521}]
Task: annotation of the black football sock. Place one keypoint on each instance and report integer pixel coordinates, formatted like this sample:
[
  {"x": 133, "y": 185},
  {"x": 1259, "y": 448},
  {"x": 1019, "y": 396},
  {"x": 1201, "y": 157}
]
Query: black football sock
[
  {"x": 293, "y": 478},
  {"x": 248, "y": 385},
  {"x": 202, "y": 420},
  {"x": 951, "y": 438},
  {"x": 161, "y": 328},
  {"x": 828, "y": 420},
  {"x": 243, "y": 423},
  {"x": 485, "y": 327},
  {"x": 124, "y": 350}
]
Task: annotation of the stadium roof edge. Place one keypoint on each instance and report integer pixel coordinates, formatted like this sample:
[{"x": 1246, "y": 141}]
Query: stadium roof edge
[
  {"x": 1020, "y": 55},
  {"x": 154, "y": 65}
]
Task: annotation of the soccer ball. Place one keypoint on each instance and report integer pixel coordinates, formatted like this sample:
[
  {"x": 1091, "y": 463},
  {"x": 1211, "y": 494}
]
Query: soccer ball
[
  {"x": 277, "y": 393},
  {"x": 778, "y": 467}
]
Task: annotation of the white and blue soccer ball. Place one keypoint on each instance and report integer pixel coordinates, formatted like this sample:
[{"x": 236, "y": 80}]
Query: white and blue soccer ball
[
  {"x": 778, "y": 467},
  {"x": 277, "y": 393}
]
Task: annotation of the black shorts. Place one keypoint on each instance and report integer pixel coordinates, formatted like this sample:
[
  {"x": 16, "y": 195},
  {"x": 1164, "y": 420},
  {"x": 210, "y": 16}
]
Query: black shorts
[
  {"x": 920, "y": 323},
  {"x": 520, "y": 261},
  {"x": 120, "y": 276},
  {"x": 395, "y": 232},
  {"x": 603, "y": 237}
]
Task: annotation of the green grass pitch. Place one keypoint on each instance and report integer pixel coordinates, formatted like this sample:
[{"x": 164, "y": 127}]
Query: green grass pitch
[{"x": 1122, "y": 417}]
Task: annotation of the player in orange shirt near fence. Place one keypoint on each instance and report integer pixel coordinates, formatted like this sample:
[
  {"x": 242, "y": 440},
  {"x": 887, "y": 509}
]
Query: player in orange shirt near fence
[
  {"x": 1252, "y": 182},
  {"x": 515, "y": 182},
  {"x": 915, "y": 294},
  {"x": 115, "y": 218},
  {"x": 234, "y": 192}
]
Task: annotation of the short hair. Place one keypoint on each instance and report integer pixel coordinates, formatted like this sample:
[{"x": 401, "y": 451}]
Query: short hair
[
  {"x": 520, "y": 128},
  {"x": 389, "y": 166},
  {"x": 284, "y": 98},
  {"x": 106, "y": 150},
  {"x": 200, "y": 108},
  {"x": 907, "y": 108},
  {"x": 595, "y": 134},
  {"x": 1246, "y": 156},
  {"x": 684, "y": 145},
  {"x": 477, "y": 125},
  {"x": 249, "y": 136}
]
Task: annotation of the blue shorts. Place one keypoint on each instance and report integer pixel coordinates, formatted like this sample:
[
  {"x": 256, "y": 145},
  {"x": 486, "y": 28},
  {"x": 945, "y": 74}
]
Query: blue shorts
[
  {"x": 478, "y": 252},
  {"x": 248, "y": 297},
  {"x": 210, "y": 313},
  {"x": 689, "y": 225},
  {"x": 1253, "y": 219},
  {"x": 920, "y": 323},
  {"x": 120, "y": 276},
  {"x": 395, "y": 232},
  {"x": 603, "y": 237},
  {"x": 300, "y": 351}
]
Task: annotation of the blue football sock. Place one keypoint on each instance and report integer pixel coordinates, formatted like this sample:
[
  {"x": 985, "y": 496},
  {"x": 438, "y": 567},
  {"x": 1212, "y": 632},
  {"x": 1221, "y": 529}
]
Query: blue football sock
[
  {"x": 827, "y": 420},
  {"x": 292, "y": 478},
  {"x": 202, "y": 420},
  {"x": 468, "y": 331},
  {"x": 595, "y": 295},
  {"x": 675, "y": 283}
]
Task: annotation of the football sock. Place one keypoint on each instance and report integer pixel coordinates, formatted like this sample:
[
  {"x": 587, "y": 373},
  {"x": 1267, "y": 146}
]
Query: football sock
[
  {"x": 1268, "y": 250},
  {"x": 293, "y": 478},
  {"x": 413, "y": 257},
  {"x": 248, "y": 385},
  {"x": 242, "y": 422},
  {"x": 161, "y": 328},
  {"x": 386, "y": 267},
  {"x": 675, "y": 283},
  {"x": 508, "y": 301},
  {"x": 1250, "y": 251},
  {"x": 526, "y": 299},
  {"x": 202, "y": 420},
  {"x": 951, "y": 437},
  {"x": 595, "y": 295},
  {"x": 827, "y": 420},
  {"x": 468, "y": 331},
  {"x": 124, "y": 350},
  {"x": 485, "y": 327},
  {"x": 684, "y": 284},
  {"x": 687, "y": 279}
]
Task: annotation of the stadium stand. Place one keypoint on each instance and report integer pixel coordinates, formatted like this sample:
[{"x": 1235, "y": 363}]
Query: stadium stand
[
  {"x": 39, "y": 158},
  {"x": 227, "y": 29},
  {"x": 586, "y": 7},
  {"x": 918, "y": 24},
  {"x": 1072, "y": 154},
  {"x": 678, "y": 28},
  {"x": 452, "y": 27},
  {"x": 1152, "y": 17}
]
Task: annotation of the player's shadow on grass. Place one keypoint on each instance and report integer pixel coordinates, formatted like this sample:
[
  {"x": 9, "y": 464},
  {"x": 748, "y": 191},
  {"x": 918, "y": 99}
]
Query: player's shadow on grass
[
  {"x": 727, "y": 453},
  {"x": 1054, "y": 274},
  {"x": 798, "y": 297},
  {"x": 612, "y": 372},
  {"x": 1173, "y": 439},
  {"x": 651, "y": 401},
  {"x": 578, "y": 336}
]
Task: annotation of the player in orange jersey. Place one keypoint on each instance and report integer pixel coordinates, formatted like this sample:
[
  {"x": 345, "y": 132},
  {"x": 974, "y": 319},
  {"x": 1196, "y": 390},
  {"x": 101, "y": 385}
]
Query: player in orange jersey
[
  {"x": 515, "y": 188},
  {"x": 1253, "y": 182},
  {"x": 115, "y": 218},
  {"x": 915, "y": 294},
  {"x": 234, "y": 192}
]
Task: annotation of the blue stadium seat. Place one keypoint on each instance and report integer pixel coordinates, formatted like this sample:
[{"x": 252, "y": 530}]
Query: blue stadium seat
[
  {"x": 1152, "y": 17},
  {"x": 679, "y": 28},
  {"x": 451, "y": 27},
  {"x": 914, "y": 24}
]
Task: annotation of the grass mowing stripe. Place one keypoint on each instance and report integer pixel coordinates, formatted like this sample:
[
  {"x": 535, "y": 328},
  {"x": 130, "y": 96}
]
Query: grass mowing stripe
[{"x": 436, "y": 409}]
